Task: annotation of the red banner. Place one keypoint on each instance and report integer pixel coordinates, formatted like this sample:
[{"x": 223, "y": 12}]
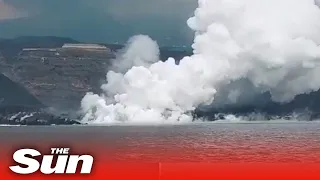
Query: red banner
[{"x": 182, "y": 171}]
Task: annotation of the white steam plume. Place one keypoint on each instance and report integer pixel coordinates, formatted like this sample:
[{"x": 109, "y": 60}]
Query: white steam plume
[
  {"x": 274, "y": 44},
  {"x": 140, "y": 50}
]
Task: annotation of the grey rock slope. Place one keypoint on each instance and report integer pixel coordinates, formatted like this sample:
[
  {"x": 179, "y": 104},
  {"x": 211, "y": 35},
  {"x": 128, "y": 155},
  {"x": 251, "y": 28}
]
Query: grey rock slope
[
  {"x": 59, "y": 77},
  {"x": 62, "y": 77},
  {"x": 13, "y": 94},
  {"x": 19, "y": 107},
  {"x": 55, "y": 76},
  {"x": 37, "y": 73}
]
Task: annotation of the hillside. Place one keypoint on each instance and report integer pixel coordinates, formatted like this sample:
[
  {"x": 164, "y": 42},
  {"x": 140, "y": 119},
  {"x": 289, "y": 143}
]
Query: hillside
[
  {"x": 59, "y": 78},
  {"x": 13, "y": 94},
  {"x": 11, "y": 47},
  {"x": 56, "y": 76}
]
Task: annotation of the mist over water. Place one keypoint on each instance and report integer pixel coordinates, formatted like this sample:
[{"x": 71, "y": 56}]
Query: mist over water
[{"x": 274, "y": 44}]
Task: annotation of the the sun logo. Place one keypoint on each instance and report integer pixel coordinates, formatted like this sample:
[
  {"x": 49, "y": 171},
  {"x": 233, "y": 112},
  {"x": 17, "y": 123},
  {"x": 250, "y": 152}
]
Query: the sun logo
[{"x": 65, "y": 163}]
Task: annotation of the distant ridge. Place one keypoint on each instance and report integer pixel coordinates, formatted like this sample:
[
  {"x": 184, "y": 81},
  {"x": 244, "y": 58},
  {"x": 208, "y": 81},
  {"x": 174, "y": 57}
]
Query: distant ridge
[{"x": 11, "y": 47}]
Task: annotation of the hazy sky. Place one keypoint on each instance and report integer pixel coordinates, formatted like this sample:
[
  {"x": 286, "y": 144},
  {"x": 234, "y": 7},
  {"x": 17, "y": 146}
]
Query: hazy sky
[{"x": 98, "y": 20}]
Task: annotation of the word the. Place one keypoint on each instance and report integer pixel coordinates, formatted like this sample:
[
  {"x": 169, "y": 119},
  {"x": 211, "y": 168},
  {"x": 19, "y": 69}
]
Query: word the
[{"x": 65, "y": 163}]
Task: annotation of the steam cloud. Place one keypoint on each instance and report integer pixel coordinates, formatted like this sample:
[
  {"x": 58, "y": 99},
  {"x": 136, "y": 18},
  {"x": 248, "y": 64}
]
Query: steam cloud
[
  {"x": 274, "y": 44},
  {"x": 140, "y": 50}
]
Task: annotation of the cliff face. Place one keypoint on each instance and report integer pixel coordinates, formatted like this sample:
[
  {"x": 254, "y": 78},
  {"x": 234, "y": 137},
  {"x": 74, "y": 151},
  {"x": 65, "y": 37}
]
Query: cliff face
[
  {"x": 13, "y": 94},
  {"x": 36, "y": 73},
  {"x": 5, "y": 68},
  {"x": 19, "y": 107},
  {"x": 59, "y": 77},
  {"x": 55, "y": 77}
]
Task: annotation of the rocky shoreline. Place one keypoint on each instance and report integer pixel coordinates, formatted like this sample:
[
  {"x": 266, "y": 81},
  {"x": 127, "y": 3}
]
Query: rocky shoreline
[{"x": 31, "y": 116}]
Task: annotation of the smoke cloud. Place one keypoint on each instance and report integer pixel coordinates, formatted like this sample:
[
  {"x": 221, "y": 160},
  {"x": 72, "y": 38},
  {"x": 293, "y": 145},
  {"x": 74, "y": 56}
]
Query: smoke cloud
[{"x": 274, "y": 44}]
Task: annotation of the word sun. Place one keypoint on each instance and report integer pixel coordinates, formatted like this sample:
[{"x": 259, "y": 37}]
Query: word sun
[{"x": 65, "y": 163}]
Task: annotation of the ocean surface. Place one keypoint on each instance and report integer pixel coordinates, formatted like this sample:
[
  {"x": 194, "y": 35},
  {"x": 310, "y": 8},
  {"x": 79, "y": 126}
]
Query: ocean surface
[{"x": 196, "y": 142}]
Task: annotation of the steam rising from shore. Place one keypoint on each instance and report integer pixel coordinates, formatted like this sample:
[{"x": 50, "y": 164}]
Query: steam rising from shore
[
  {"x": 274, "y": 44},
  {"x": 140, "y": 50}
]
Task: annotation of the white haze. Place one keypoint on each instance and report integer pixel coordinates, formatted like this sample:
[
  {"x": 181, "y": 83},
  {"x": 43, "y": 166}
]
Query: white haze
[{"x": 274, "y": 44}]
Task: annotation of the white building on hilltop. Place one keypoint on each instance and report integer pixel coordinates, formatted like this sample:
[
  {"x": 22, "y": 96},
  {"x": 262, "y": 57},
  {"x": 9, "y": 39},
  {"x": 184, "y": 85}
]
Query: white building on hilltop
[
  {"x": 39, "y": 49},
  {"x": 85, "y": 46}
]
